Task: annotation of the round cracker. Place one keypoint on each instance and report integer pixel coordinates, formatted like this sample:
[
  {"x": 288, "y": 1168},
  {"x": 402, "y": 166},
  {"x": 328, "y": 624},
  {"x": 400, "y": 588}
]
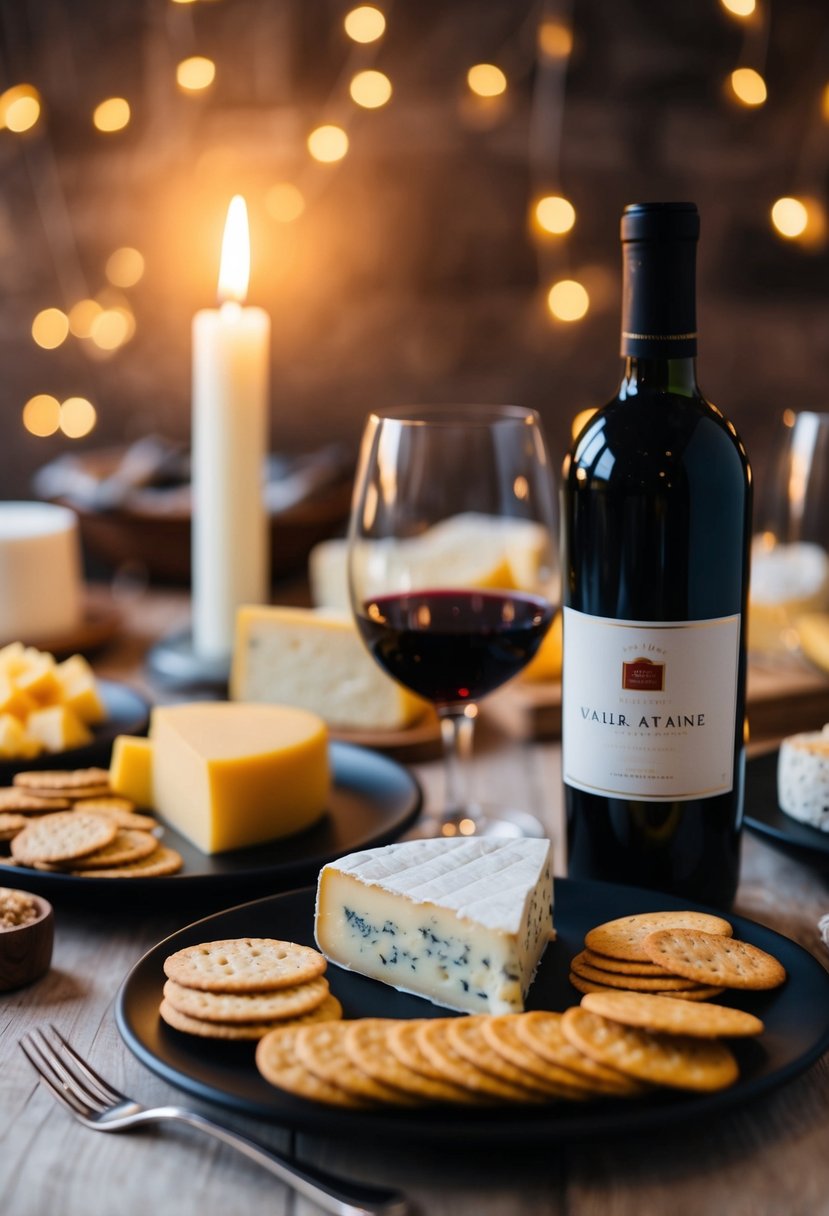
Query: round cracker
[
  {"x": 663, "y": 1015},
  {"x": 637, "y": 983},
  {"x": 64, "y": 836},
  {"x": 694, "y": 992},
  {"x": 23, "y": 803},
  {"x": 159, "y": 864},
  {"x": 622, "y": 938},
  {"x": 277, "y": 1061},
  {"x": 678, "y": 1061},
  {"x": 542, "y": 1032},
  {"x": 367, "y": 1044},
  {"x": 710, "y": 959},
  {"x": 108, "y": 802},
  {"x": 243, "y": 1031},
  {"x": 501, "y": 1032},
  {"x": 54, "y": 780},
  {"x": 243, "y": 1007},
  {"x": 433, "y": 1038},
  {"x": 11, "y": 824},
  {"x": 467, "y": 1037},
  {"x": 127, "y": 845},
  {"x": 322, "y": 1050},
  {"x": 619, "y": 966},
  {"x": 244, "y": 964}
]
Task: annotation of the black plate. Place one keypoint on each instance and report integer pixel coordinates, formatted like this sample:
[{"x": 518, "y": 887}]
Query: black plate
[
  {"x": 763, "y": 815},
  {"x": 127, "y": 714},
  {"x": 796, "y": 1017},
  {"x": 373, "y": 800}
]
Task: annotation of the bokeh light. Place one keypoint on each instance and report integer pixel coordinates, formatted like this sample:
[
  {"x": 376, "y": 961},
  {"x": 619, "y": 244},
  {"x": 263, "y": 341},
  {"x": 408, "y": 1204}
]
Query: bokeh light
[
  {"x": 110, "y": 115},
  {"x": 82, "y": 316},
  {"x": 284, "y": 202},
  {"x": 790, "y": 217},
  {"x": 568, "y": 300},
  {"x": 20, "y": 108},
  {"x": 370, "y": 89},
  {"x": 77, "y": 417},
  {"x": 748, "y": 86},
  {"x": 486, "y": 80},
  {"x": 739, "y": 8},
  {"x": 555, "y": 39},
  {"x": 365, "y": 23},
  {"x": 110, "y": 329},
  {"x": 328, "y": 143},
  {"x": 555, "y": 214},
  {"x": 50, "y": 328},
  {"x": 195, "y": 73},
  {"x": 41, "y": 415},
  {"x": 125, "y": 267}
]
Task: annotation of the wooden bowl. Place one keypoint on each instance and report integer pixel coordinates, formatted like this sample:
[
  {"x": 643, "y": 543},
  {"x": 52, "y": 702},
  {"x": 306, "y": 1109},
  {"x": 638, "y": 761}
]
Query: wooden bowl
[{"x": 26, "y": 950}]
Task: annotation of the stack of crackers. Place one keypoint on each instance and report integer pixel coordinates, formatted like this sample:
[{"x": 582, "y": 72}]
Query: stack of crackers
[
  {"x": 71, "y": 822},
  {"x": 242, "y": 988}
]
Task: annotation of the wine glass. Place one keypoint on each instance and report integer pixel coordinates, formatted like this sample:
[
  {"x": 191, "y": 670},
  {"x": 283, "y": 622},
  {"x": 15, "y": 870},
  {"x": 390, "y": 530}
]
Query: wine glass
[
  {"x": 453, "y": 571},
  {"x": 790, "y": 555}
]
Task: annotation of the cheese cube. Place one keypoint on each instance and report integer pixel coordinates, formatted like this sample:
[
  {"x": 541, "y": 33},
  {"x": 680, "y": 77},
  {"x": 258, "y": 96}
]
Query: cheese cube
[
  {"x": 316, "y": 661},
  {"x": 15, "y": 743},
  {"x": 131, "y": 769},
  {"x": 13, "y": 701},
  {"x": 40, "y": 681},
  {"x": 462, "y": 922},
  {"x": 230, "y": 775},
  {"x": 79, "y": 690},
  {"x": 57, "y": 728}
]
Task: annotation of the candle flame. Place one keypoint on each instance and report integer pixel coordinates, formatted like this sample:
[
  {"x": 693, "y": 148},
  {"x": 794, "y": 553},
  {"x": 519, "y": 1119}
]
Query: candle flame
[{"x": 234, "y": 271}]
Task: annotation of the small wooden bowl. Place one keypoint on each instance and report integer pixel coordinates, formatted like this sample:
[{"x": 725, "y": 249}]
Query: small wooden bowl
[{"x": 26, "y": 950}]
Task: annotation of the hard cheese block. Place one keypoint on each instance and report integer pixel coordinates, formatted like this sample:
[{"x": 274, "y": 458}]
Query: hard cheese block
[
  {"x": 131, "y": 769},
  {"x": 228, "y": 775},
  {"x": 461, "y": 922},
  {"x": 315, "y": 660}
]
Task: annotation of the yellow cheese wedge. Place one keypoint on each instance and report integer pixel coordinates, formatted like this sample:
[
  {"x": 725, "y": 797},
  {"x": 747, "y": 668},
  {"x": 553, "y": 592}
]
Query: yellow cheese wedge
[
  {"x": 315, "y": 660},
  {"x": 228, "y": 775},
  {"x": 57, "y": 728},
  {"x": 13, "y": 701},
  {"x": 15, "y": 743},
  {"x": 545, "y": 665},
  {"x": 131, "y": 769},
  {"x": 79, "y": 690},
  {"x": 40, "y": 682}
]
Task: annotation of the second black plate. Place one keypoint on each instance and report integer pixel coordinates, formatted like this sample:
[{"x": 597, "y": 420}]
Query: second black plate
[{"x": 763, "y": 814}]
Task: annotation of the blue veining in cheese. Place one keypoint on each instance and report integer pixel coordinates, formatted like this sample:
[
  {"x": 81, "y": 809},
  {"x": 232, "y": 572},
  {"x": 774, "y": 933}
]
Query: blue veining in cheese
[{"x": 462, "y": 922}]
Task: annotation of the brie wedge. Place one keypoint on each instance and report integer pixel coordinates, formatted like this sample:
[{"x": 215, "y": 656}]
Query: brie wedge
[{"x": 462, "y": 922}]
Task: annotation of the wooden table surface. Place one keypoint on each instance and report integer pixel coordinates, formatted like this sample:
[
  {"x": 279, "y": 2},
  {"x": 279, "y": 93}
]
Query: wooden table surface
[{"x": 767, "y": 1159}]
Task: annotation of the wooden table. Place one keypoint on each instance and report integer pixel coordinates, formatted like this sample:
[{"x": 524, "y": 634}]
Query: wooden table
[{"x": 770, "y": 1159}]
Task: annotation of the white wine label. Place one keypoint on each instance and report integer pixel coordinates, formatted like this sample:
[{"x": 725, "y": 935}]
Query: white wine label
[{"x": 648, "y": 708}]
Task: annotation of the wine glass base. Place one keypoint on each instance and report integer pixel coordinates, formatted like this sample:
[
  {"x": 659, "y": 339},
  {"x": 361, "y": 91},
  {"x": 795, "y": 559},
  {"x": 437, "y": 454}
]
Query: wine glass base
[{"x": 480, "y": 820}]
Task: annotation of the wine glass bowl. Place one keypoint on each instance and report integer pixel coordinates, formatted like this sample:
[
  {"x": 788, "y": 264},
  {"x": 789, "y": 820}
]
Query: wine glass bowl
[{"x": 453, "y": 571}]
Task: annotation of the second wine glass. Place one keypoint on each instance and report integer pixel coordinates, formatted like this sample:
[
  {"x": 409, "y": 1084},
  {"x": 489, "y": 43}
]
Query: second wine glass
[{"x": 453, "y": 570}]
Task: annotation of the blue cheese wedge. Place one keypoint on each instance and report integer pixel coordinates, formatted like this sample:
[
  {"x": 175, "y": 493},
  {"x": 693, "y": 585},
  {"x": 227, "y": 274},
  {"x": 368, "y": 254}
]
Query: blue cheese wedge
[
  {"x": 803, "y": 778},
  {"x": 462, "y": 922}
]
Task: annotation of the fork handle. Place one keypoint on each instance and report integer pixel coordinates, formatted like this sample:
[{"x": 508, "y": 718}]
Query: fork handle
[{"x": 339, "y": 1196}]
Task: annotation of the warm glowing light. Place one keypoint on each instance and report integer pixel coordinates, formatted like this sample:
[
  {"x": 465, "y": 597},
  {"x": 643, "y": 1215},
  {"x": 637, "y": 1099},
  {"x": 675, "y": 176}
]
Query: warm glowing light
[
  {"x": 365, "y": 23},
  {"x": 555, "y": 40},
  {"x": 110, "y": 329},
  {"x": 81, "y": 317},
  {"x": 77, "y": 417},
  {"x": 370, "y": 89},
  {"x": 789, "y": 217},
  {"x": 555, "y": 214},
  {"x": 112, "y": 114},
  {"x": 183, "y": 1},
  {"x": 467, "y": 827},
  {"x": 568, "y": 300},
  {"x": 739, "y": 8},
  {"x": 284, "y": 202},
  {"x": 486, "y": 80},
  {"x": 19, "y": 108},
  {"x": 328, "y": 144},
  {"x": 749, "y": 86},
  {"x": 581, "y": 420},
  {"x": 125, "y": 267},
  {"x": 234, "y": 271},
  {"x": 50, "y": 327},
  {"x": 41, "y": 415},
  {"x": 195, "y": 74}
]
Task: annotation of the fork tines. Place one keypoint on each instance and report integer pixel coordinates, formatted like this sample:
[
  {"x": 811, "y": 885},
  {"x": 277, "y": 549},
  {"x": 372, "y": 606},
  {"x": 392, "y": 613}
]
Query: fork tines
[{"x": 69, "y": 1078}]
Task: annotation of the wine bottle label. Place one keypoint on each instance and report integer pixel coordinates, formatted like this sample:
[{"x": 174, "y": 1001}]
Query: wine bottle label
[{"x": 648, "y": 707}]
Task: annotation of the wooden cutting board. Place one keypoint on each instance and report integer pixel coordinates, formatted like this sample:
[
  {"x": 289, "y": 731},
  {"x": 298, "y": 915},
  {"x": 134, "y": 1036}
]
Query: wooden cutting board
[{"x": 785, "y": 694}]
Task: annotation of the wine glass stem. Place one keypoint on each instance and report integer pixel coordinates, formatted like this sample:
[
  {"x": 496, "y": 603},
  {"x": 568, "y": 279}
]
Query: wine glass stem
[{"x": 457, "y": 729}]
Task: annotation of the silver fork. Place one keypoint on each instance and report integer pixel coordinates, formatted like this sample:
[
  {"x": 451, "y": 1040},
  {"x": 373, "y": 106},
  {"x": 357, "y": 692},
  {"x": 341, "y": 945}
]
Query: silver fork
[{"x": 98, "y": 1105}]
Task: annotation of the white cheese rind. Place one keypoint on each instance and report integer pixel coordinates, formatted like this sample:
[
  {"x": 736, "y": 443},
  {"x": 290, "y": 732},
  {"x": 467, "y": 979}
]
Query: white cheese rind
[
  {"x": 463, "y": 923},
  {"x": 803, "y": 778}
]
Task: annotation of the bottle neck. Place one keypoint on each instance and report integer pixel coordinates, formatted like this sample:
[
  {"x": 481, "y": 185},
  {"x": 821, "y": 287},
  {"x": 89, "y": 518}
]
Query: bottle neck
[
  {"x": 659, "y": 375},
  {"x": 658, "y": 301}
]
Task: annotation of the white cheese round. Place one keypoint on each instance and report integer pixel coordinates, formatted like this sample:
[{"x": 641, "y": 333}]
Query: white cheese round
[
  {"x": 40, "y": 571},
  {"x": 803, "y": 778}
]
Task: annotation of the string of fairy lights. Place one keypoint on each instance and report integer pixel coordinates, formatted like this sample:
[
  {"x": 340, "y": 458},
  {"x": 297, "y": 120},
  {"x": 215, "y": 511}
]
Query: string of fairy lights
[{"x": 103, "y": 324}]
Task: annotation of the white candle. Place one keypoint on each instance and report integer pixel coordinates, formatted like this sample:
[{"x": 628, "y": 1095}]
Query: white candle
[{"x": 231, "y": 372}]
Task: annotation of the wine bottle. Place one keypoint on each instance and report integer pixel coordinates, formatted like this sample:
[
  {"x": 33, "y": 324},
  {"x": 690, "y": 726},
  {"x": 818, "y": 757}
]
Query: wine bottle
[{"x": 656, "y": 520}]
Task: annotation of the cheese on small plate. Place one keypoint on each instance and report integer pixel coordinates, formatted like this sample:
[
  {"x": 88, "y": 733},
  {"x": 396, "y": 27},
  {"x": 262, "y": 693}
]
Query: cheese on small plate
[
  {"x": 462, "y": 922},
  {"x": 316, "y": 661},
  {"x": 803, "y": 778}
]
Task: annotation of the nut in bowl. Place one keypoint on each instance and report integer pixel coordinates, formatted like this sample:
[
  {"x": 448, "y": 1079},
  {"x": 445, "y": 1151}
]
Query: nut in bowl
[{"x": 27, "y": 929}]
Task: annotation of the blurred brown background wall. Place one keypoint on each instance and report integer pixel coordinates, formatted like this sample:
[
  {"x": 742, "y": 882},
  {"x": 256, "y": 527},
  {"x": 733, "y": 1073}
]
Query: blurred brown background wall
[{"x": 413, "y": 274}]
